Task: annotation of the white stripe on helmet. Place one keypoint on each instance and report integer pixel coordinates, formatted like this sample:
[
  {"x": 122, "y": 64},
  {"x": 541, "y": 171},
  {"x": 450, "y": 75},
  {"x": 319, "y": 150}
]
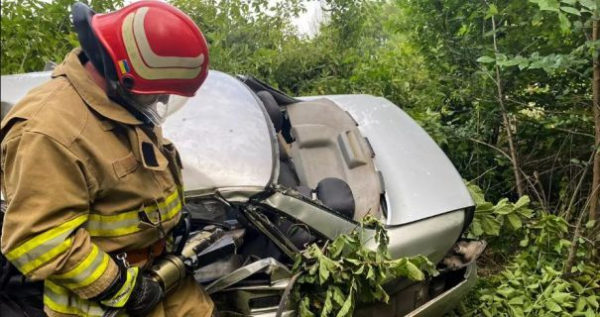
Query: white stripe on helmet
[
  {"x": 145, "y": 62},
  {"x": 149, "y": 56}
]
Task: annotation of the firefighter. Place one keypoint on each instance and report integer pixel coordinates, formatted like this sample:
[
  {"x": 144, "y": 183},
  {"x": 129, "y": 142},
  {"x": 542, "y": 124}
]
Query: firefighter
[{"x": 93, "y": 189}]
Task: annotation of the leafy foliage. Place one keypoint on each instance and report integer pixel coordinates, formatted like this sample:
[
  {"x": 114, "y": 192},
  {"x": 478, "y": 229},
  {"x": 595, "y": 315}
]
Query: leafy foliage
[
  {"x": 532, "y": 282},
  {"x": 35, "y": 32},
  {"x": 490, "y": 218},
  {"x": 346, "y": 272}
]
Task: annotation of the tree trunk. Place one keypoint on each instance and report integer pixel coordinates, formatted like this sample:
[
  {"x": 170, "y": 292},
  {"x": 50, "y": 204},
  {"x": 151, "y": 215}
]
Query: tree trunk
[
  {"x": 595, "y": 193},
  {"x": 507, "y": 123}
]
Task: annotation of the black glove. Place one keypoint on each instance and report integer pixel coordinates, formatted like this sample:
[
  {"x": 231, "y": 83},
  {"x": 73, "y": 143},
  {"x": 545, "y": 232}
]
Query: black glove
[
  {"x": 146, "y": 294},
  {"x": 133, "y": 292}
]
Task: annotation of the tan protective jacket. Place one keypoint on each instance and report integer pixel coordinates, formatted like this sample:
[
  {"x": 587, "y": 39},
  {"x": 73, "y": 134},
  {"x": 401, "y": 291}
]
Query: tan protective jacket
[{"x": 82, "y": 178}]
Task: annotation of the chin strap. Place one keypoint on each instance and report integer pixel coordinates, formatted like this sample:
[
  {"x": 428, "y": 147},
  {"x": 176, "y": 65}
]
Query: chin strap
[{"x": 113, "y": 94}]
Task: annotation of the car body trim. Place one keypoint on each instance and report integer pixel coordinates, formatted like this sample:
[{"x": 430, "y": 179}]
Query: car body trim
[
  {"x": 448, "y": 299},
  {"x": 317, "y": 218}
]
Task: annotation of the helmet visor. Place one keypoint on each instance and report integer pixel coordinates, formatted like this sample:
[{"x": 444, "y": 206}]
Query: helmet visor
[
  {"x": 154, "y": 107},
  {"x": 175, "y": 103}
]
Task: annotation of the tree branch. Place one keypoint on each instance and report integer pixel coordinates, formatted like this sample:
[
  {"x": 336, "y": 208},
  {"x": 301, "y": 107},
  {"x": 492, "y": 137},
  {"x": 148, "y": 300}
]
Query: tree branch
[{"x": 506, "y": 120}]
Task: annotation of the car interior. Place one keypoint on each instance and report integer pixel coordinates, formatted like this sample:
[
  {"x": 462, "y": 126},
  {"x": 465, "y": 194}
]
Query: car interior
[{"x": 324, "y": 156}]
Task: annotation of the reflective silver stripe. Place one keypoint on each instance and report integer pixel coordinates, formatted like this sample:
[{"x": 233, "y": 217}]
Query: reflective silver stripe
[
  {"x": 41, "y": 249},
  {"x": 165, "y": 211},
  {"x": 59, "y": 299},
  {"x": 86, "y": 272},
  {"x": 44, "y": 246},
  {"x": 128, "y": 222},
  {"x": 105, "y": 225}
]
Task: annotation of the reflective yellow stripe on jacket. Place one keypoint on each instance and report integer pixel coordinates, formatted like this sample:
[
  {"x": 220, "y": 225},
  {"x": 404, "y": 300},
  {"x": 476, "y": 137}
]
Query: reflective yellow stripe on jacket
[
  {"x": 61, "y": 300},
  {"x": 45, "y": 246},
  {"x": 86, "y": 272},
  {"x": 128, "y": 222}
]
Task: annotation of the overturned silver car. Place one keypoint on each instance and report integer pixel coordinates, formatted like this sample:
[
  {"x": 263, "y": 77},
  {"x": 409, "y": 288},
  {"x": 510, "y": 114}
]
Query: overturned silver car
[{"x": 278, "y": 173}]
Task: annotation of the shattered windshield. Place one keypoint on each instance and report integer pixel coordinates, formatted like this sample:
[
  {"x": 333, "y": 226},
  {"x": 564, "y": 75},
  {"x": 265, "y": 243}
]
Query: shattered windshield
[{"x": 224, "y": 137}]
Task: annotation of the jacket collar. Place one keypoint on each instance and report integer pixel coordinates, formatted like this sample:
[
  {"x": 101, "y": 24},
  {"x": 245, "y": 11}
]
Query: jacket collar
[{"x": 93, "y": 95}]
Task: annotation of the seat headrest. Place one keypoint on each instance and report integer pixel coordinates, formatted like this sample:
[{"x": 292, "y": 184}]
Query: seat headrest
[
  {"x": 272, "y": 109},
  {"x": 337, "y": 195}
]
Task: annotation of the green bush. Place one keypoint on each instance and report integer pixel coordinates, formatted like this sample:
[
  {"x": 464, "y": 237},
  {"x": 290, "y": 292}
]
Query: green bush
[{"x": 532, "y": 281}]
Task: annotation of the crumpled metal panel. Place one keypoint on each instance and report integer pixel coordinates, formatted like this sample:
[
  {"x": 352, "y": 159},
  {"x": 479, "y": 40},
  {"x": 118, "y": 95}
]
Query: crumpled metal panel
[
  {"x": 325, "y": 222},
  {"x": 420, "y": 181},
  {"x": 274, "y": 268}
]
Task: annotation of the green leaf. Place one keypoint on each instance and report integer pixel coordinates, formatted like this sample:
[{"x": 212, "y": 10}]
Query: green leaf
[
  {"x": 509, "y": 62},
  {"x": 526, "y": 212},
  {"x": 590, "y": 224},
  {"x": 571, "y": 10},
  {"x": 331, "y": 285},
  {"x": 353, "y": 261},
  {"x": 492, "y": 10},
  {"x": 517, "y": 311},
  {"x": 553, "y": 306},
  {"x": 590, "y": 4},
  {"x": 370, "y": 273},
  {"x": 561, "y": 297},
  {"x": 304, "y": 308},
  {"x": 490, "y": 226},
  {"x": 506, "y": 292},
  {"x": 486, "y": 60},
  {"x": 485, "y": 207},
  {"x": 593, "y": 300},
  {"x": 548, "y": 5},
  {"x": 337, "y": 247},
  {"x": 346, "y": 308},
  {"x": 522, "y": 202},
  {"x": 327, "y": 304},
  {"x": 565, "y": 24},
  {"x": 578, "y": 288},
  {"x": 359, "y": 270},
  {"x": 524, "y": 242},
  {"x": 414, "y": 273},
  {"x": 590, "y": 313},
  {"x": 581, "y": 304},
  {"x": 548, "y": 291},
  {"x": 514, "y": 221},
  {"x": 476, "y": 227},
  {"x": 476, "y": 193},
  {"x": 504, "y": 207},
  {"x": 516, "y": 301},
  {"x": 323, "y": 273},
  {"x": 338, "y": 295}
]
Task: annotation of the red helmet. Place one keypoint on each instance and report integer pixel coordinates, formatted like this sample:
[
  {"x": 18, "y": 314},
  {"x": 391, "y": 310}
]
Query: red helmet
[{"x": 154, "y": 47}]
